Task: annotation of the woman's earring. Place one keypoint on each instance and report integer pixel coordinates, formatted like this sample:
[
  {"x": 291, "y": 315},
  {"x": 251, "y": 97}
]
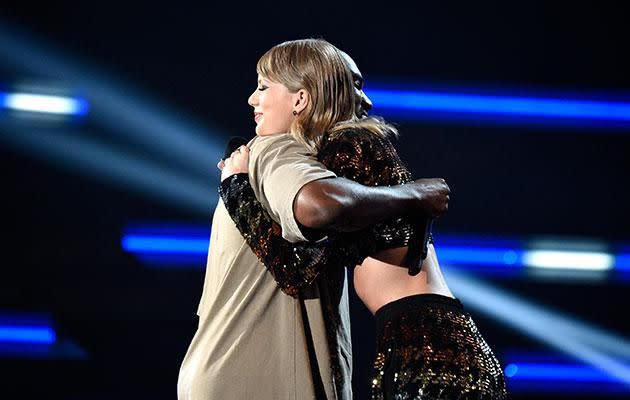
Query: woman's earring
[{"x": 294, "y": 112}]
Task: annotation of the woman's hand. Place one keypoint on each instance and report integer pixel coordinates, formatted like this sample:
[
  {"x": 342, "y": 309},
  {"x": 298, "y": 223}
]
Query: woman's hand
[{"x": 237, "y": 163}]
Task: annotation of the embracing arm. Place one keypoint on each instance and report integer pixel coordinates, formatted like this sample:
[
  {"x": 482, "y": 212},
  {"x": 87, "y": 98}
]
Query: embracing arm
[
  {"x": 372, "y": 160},
  {"x": 347, "y": 204},
  {"x": 293, "y": 265},
  {"x": 343, "y": 205},
  {"x": 337, "y": 204}
]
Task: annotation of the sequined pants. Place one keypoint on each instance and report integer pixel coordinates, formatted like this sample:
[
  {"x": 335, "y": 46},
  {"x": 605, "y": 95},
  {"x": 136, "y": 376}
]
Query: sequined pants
[{"x": 429, "y": 348}]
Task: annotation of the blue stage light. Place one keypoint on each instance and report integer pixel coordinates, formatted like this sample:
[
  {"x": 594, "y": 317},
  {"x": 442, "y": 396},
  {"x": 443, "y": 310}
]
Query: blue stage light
[
  {"x": 162, "y": 239},
  {"x": 589, "y": 344},
  {"x": 557, "y": 372},
  {"x": 448, "y": 104},
  {"x": 168, "y": 246},
  {"x": 622, "y": 262},
  {"x": 180, "y": 141},
  {"x": 485, "y": 255},
  {"x": 164, "y": 244},
  {"x": 23, "y": 334},
  {"x": 33, "y": 336},
  {"x": 510, "y": 370},
  {"x": 556, "y": 259},
  {"x": 537, "y": 372},
  {"x": 480, "y": 256},
  {"x": 43, "y": 103},
  {"x": 584, "y": 342},
  {"x": 33, "y": 329},
  {"x": 82, "y": 154},
  {"x": 561, "y": 108}
]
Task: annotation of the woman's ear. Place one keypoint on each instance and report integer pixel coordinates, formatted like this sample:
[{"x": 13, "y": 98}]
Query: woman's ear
[{"x": 301, "y": 100}]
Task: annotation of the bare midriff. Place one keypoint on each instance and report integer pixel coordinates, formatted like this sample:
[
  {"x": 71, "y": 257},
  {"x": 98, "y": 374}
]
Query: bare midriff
[{"x": 381, "y": 279}]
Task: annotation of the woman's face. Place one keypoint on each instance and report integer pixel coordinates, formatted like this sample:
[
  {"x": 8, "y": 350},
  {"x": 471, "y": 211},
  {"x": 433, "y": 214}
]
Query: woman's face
[{"x": 273, "y": 107}]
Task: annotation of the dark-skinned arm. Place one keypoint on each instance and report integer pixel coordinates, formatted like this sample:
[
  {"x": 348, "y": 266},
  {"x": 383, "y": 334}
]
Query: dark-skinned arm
[
  {"x": 295, "y": 265},
  {"x": 343, "y": 205}
]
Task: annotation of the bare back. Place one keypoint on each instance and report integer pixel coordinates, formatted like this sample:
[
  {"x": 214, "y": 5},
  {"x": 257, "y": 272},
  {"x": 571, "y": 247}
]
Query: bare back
[{"x": 381, "y": 280}]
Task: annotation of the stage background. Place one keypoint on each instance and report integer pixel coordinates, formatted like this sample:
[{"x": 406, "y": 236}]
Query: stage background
[{"x": 151, "y": 72}]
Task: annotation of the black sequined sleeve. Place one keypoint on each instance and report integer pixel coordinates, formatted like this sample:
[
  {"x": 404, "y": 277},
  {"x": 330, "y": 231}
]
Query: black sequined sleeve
[
  {"x": 359, "y": 156},
  {"x": 372, "y": 160},
  {"x": 293, "y": 265}
]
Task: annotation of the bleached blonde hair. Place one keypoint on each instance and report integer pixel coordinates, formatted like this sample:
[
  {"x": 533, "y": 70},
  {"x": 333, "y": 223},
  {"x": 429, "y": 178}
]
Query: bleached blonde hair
[{"x": 318, "y": 67}]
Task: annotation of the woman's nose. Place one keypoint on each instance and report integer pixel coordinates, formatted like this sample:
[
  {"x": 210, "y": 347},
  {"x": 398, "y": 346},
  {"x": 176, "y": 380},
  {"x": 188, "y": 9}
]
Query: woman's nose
[{"x": 253, "y": 99}]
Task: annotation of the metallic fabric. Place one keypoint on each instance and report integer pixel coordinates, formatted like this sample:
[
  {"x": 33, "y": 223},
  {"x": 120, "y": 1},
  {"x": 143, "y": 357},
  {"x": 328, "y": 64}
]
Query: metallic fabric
[
  {"x": 353, "y": 154},
  {"x": 429, "y": 348}
]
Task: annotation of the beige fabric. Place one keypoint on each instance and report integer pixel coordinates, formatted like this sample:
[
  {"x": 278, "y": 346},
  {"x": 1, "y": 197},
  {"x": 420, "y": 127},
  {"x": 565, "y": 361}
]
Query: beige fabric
[
  {"x": 251, "y": 342},
  {"x": 279, "y": 167}
]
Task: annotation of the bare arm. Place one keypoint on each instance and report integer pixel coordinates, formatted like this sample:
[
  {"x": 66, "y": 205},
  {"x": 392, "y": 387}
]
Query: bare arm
[
  {"x": 343, "y": 205},
  {"x": 296, "y": 265}
]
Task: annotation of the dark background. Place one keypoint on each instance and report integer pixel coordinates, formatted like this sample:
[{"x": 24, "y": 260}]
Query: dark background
[{"x": 62, "y": 229}]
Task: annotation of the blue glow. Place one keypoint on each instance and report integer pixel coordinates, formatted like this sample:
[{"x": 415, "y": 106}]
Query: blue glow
[
  {"x": 83, "y": 106},
  {"x": 26, "y": 329},
  {"x": 584, "y": 342},
  {"x": 43, "y": 103},
  {"x": 510, "y": 370},
  {"x": 406, "y": 100},
  {"x": 172, "y": 187},
  {"x": 168, "y": 246},
  {"x": 32, "y": 336},
  {"x": 188, "y": 245},
  {"x": 622, "y": 262},
  {"x": 511, "y": 257},
  {"x": 479, "y": 256},
  {"x": 164, "y": 244},
  {"x": 189, "y": 145},
  {"x": 21, "y": 334},
  {"x": 557, "y": 372}
]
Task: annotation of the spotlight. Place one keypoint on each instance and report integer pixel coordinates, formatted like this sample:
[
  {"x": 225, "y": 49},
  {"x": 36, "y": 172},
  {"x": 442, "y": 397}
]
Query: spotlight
[
  {"x": 480, "y": 105},
  {"x": 33, "y": 329},
  {"x": 569, "y": 260},
  {"x": 41, "y": 103}
]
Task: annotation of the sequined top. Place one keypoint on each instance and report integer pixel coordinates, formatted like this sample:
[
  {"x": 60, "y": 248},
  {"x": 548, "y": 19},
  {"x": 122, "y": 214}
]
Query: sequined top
[{"x": 353, "y": 154}]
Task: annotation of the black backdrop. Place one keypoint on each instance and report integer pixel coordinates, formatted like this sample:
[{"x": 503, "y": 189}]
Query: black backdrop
[{"x": 62, "y": 230}]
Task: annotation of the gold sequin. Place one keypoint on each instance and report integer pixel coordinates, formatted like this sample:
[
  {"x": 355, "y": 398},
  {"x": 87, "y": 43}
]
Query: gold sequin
[
  {"x": 438, "y": 353},
  {"x": 354, "y": 154}
]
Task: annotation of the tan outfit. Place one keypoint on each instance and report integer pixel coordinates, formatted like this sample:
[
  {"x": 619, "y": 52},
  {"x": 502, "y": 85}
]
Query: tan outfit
[{"x": 253, "y": 341}]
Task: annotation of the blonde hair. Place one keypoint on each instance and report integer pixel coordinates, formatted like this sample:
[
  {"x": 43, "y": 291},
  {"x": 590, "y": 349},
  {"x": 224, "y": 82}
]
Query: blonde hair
[
  {"x": 373, "y": 124},
  {"x": 318, "y": 67}
]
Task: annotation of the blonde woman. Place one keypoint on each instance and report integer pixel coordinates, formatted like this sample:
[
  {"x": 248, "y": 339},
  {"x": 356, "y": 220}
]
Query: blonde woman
[
  {"x": 427, "y": 346},
  {"x": 253, "y": 341}
]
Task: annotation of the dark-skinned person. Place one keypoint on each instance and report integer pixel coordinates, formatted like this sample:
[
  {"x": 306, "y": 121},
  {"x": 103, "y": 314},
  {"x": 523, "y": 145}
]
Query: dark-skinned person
[
  {"x": 253, "y": 341},
  {"x": 428, "y": 347}
]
